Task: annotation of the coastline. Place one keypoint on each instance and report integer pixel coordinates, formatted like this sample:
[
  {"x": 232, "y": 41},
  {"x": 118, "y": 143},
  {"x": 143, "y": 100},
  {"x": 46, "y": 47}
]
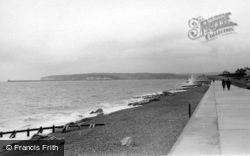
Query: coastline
[
  {"x": 79, "y": 108},
  {"x": 154, "y": 127}
]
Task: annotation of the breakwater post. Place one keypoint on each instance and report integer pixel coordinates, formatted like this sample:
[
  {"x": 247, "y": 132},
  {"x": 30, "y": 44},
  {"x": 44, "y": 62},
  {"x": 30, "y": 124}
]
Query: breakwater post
[
  {"x": 28, "y": 132},
  {"x": 40, "y": 130},
  {"x": 189, "y": 110},
  {"x": 53, "y": 129}
]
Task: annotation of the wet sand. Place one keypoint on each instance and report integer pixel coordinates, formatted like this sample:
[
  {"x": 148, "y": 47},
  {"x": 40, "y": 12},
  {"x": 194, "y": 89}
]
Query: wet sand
[{"x": 154, "y": 128}]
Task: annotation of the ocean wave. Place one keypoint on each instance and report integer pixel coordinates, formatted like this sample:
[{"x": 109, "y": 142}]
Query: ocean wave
[{"x": 67, "y": 116}]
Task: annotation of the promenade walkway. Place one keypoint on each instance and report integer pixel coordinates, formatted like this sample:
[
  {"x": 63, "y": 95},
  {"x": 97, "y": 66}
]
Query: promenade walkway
[{"x": 219, "y": 126}]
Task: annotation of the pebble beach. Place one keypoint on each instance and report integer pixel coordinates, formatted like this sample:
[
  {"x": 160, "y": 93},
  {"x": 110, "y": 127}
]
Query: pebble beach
[{"x": 153, "y": 128}]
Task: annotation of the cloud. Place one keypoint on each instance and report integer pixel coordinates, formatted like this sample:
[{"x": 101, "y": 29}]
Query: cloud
[{"x": 39, "y": 38}]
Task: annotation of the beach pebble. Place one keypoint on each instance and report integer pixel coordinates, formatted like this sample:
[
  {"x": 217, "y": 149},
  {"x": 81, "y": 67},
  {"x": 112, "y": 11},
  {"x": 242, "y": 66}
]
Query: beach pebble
[
  {"x": 39, "y": 136},
  {"x": 97, "y": 111},
  {"x": 100, "y": 114},
  {"x": 126, "y": 141},
  {"x": 42, "y": 136}
]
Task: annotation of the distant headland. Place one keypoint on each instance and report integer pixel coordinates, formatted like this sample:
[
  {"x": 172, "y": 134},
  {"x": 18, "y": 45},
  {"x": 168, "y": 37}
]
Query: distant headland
[
  {"x": 114, "y": 76},
  {"x": 108, "y": 76}
]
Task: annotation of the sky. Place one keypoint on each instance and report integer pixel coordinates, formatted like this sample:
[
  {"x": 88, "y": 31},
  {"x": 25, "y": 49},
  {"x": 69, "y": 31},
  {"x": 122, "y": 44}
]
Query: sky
[{"x": 51, "y": 37}]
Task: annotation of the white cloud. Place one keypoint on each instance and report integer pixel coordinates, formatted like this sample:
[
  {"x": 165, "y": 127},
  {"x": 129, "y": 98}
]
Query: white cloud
[{"x": 43, "y": 37}]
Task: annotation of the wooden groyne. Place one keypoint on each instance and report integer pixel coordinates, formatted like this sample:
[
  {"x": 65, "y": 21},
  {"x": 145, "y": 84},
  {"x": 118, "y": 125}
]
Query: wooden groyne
[{"x": 64, "y": 128}]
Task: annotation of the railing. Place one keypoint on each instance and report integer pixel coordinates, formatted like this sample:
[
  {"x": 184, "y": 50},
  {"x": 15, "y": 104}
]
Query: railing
[{"x": 40, "y": 130}]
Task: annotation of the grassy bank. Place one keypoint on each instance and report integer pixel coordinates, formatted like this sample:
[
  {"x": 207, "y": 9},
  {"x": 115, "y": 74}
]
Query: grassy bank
[{"x": 154, "y": 128}]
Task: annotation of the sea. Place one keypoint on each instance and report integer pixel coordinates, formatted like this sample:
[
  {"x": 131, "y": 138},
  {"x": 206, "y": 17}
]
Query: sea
[{"x": 45, "y": 103}]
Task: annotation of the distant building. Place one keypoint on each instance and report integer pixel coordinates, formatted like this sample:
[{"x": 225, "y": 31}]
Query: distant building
[
  {"x": 247, "y": 72},
  {"x": 226, "y": 72}
]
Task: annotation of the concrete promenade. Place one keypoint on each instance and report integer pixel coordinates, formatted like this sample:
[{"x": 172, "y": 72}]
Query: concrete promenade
[{"x": 219, "y": 126}]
